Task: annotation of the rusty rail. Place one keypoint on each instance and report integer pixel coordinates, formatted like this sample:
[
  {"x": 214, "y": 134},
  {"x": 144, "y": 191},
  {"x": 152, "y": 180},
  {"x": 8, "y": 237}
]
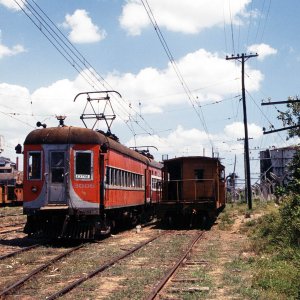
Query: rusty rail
[
  {"x": 21, "y": 281},
  {"x": 18, "y": 251},
  {"x": 12, "y": 215},
  {"x": 12, "y": 225},
  {"x": 100, "y": 269},
  {"x": 170, "y": 273},
  {"x": 12, "y": 230}
]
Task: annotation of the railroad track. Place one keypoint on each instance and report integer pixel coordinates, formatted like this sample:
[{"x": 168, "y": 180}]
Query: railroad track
[
  {"x": 90, "y": 270},
  {"x": 19, "y": 282},
  {"x": 11, "y": 215},
  {"x": 162, "y": 284},
  {"x": 100, "y": 269},
  {"x": 20, "y": 285},
  {"x": 12, "y": 225},
  {"x": 17, "y": 229},
  {"x": 18, "y": 251}
]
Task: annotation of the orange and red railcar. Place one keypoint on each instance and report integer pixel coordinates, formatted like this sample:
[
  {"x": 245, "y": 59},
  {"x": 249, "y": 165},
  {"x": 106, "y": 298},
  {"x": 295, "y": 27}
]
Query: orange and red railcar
[{"x": 79, "y": 182}]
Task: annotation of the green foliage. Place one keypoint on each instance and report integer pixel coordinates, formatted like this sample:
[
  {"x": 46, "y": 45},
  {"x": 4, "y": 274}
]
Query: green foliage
[
  {"x": 279, "y": 276},
  {"x": 290, "y": 219},
  {"x": 226, "y": 220},
  {"x": 276, "y": 239},
  {"x": 279, "y": 191},
  {"x": 291, "y": 117}
]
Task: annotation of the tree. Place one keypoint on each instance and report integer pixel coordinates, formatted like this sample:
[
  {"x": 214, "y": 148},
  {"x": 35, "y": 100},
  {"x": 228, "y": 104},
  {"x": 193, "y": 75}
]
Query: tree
[{"x": 291, "y": 117}]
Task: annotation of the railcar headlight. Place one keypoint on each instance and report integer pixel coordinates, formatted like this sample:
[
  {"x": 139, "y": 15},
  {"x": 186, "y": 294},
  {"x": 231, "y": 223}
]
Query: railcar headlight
[{"x": 34, "y": 189}]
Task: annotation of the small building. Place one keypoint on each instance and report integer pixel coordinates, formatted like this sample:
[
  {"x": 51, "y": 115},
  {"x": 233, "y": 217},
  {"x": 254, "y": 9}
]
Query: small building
[
  {"x": 10, "y": 182},
  {"x": 274, "y": 164}
]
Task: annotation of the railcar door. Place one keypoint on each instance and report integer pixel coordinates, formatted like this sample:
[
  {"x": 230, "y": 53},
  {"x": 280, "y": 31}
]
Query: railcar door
[{"x": 57, "y": 178}]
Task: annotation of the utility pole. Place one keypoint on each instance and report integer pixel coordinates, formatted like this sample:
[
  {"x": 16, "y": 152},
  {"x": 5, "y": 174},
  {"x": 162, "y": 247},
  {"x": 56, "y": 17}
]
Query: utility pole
[{"x": 243, "y": 58}]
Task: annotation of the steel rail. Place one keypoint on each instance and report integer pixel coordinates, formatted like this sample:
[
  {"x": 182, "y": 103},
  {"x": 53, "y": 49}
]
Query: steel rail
[
  {"x": 12, "y": 225},
  {"x": 18, "y": 251},
  {"x": 100, "y": 269},
  {"x": 21, "y": 281},
  {"x": 166, "y": 278},
  {"x": 12, "y": 230},
  {"x": 13, "y": 215}
]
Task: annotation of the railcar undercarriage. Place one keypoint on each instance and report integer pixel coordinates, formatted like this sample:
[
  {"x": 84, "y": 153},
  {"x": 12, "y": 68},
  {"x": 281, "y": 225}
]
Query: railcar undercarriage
[{"x": 63, "y": 225}]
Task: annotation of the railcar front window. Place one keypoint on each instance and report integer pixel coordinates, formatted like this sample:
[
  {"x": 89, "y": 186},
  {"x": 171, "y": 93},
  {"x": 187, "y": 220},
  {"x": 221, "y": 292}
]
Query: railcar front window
[
  {"x": 83, "y": 165},
  {"x": 34, "y": 165},
  {"x": 57, "y": 167}
]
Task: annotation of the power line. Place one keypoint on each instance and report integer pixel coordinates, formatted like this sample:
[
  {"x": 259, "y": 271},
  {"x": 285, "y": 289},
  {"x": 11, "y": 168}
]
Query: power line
[
  {"x": 61, "y": 43},
  {"x": 175, "y": 66}
]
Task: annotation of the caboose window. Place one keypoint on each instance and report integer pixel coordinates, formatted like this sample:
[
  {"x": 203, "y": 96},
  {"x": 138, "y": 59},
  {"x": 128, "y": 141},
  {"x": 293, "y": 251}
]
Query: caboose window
[
  {"x": 83, "y": 165},
  {"x": 199, "y": 174},
  {"x": 34, "y": 165}
]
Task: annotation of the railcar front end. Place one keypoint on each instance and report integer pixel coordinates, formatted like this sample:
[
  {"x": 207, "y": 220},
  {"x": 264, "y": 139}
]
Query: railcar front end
[{"x": 78, "y": 182}]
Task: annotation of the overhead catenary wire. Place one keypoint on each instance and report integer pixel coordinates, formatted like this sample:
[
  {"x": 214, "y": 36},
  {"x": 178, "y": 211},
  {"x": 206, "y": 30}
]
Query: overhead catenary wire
[
  {"x": 75, "y": 58},
  {"x": 169, "y": 54}
]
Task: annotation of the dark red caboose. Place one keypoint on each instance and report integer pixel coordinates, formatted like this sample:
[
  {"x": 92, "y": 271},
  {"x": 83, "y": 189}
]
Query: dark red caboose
[{"x": 193, "y": 190}]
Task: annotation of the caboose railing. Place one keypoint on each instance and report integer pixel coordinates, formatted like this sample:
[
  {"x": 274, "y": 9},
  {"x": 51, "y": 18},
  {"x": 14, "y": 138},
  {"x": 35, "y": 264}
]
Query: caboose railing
[{"x": 190, "y": 190}]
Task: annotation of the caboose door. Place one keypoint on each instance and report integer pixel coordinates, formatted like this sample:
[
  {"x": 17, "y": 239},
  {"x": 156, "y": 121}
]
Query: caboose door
[{"x": 57, "y": 178}]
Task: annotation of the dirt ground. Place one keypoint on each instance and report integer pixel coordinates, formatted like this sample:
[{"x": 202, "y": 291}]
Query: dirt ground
[{"x": 223, "y": 248}]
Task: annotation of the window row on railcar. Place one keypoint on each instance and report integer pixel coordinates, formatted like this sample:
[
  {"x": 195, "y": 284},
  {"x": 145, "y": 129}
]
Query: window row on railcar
[
  {"x": 156, "y": 183},
  {"x": 125, "y": 179}
]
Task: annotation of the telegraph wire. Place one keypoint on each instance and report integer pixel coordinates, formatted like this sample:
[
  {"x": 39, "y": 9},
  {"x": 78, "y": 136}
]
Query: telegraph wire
[
  {"x": 231, "y": 27},
  {"x": 224, "y": 29},
  {"x": 250, "y": 22},
  {"x": 77, "y": 61},
  {"x": 259, "y": 21},
  {"x": 175, "y": 67},
  {"x": 261, "y": 111},
  {"x": 90, "y": 80},
  {"x": 11, "y": 116},
  {"x": 266, "y": 20}
]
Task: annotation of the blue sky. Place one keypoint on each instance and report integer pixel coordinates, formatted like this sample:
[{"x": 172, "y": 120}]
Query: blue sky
[{"x": 118, "y": 40}]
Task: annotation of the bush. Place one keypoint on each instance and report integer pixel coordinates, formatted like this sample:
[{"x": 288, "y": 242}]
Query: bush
[{"x": 290, "y": 219}]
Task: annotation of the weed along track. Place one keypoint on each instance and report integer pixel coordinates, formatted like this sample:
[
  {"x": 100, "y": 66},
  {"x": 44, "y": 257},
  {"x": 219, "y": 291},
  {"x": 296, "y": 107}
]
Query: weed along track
[
  {"x": 34, "y": 264},
  {"x": 45, "y": 271},
  {"x": 135, "y": 275},
  {"x": 171, "y": 276},
  {"x": 18, "y": 251}
]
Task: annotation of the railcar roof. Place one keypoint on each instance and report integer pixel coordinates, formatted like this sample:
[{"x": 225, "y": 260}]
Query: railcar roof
[
  {"x": 79, "y": 135},
  {"x": 186, "y": 158}
]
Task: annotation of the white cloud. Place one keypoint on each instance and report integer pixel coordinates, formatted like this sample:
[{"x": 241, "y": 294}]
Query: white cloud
[
  {"x": 5, "y": 51},
  {"x": 201, "y": 70},
  {"x": 263, "y": 50},
  {"x": 192, "y": 141},
  {"x": 236, "y": 130},
  {"x": 11, "y": 4},
  {"x": 188, "y": 16},
  {"x": 82, "y": 28}
]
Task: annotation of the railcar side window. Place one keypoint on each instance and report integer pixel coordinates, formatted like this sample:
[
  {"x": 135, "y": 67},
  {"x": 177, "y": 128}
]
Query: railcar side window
[
  {"x": 155, "y": 184},
  {"x": 121, "y": 178},
  {"x": 199, "y": 174},
  {"x": 34, "y": 165},
  {"x": 222, "y": 175},
  {"x": 83, "y": 165}
]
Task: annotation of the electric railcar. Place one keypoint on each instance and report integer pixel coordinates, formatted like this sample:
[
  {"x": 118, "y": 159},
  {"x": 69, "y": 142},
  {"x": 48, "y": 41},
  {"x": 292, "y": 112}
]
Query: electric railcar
[{"x": 79, "y": 182}]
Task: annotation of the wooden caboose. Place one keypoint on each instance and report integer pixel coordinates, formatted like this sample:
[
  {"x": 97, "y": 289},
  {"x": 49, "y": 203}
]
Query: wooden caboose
[{"x": 193, "y": 190}]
